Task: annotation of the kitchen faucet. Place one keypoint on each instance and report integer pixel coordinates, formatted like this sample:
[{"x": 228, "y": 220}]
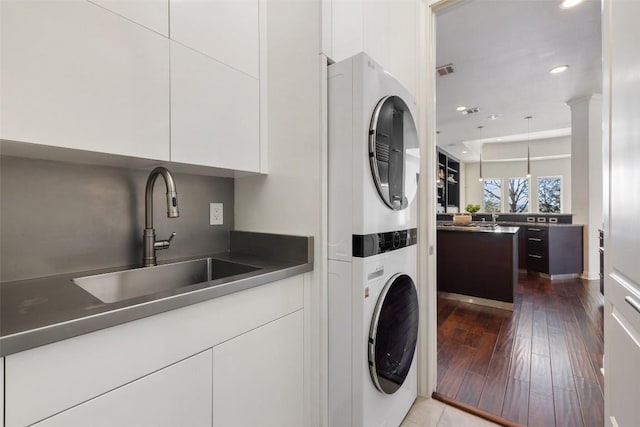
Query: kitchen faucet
[
  {"x": 494, "y": 216},
  {"x": 149, "y": 244}
]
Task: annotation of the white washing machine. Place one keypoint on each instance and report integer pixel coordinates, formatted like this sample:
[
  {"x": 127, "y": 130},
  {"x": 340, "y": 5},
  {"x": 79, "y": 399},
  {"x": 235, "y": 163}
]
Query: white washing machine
[{"x": 373, "y": 304}]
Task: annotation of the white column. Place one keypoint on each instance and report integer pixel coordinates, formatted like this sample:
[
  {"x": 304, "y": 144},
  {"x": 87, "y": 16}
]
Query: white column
[{"x": 586, "y": 175}]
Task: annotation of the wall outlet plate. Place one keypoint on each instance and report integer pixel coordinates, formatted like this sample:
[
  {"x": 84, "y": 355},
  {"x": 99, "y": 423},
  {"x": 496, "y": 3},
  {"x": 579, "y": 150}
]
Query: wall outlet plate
[{"x": 215, "y": 214}]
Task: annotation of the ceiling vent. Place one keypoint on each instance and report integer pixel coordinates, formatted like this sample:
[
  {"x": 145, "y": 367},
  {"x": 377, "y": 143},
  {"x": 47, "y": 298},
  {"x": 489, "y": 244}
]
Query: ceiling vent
[
  {"x": 471, "y": 110},
  {"x": 445, "y": 70}
]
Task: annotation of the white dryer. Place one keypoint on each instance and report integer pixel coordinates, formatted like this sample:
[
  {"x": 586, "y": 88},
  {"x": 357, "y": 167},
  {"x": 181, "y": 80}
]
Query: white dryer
[
  {"x": 373, "y": 154},
  {"x": 373, "y": 304}
]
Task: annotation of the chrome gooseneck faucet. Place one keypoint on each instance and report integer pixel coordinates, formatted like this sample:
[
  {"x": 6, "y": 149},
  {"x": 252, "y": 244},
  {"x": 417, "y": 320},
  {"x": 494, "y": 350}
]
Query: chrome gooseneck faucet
[{"x": 150, "y": 245}]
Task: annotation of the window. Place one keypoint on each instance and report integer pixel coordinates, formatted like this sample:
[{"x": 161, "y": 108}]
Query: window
[
  {"x": 549, "y": 194},
  {"x": 518, "y": 195},
  {"x": 493, "y": 195}
]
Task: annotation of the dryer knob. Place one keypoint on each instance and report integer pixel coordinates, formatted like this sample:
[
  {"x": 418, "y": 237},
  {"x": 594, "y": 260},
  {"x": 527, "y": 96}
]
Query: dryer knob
[{"x": 396, "y": 240}]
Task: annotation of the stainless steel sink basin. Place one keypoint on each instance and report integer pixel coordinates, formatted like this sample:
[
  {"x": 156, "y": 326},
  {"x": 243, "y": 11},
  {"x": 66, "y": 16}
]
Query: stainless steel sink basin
[{"x": 122, "y": 285}]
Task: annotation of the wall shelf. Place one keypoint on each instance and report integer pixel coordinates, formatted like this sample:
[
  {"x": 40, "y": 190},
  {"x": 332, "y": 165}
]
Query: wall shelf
[{"x": 448, "y": 170}]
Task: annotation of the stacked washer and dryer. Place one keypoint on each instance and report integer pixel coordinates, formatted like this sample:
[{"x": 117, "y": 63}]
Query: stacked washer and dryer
[{"x": 373, "y": 302}]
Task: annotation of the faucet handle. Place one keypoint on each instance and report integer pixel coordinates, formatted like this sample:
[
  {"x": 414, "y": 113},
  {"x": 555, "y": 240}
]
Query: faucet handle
[{"x": 164, "y": 244}]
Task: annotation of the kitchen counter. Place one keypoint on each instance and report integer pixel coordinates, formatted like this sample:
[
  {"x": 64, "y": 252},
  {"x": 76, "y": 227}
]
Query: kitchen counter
[
  {"x": 480, "y": 227},
  {"x": 537, "y": 224},
  {"x": 40, "y": 311}
]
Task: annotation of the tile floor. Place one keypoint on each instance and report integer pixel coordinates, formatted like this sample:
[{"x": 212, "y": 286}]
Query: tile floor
[{"x": 433, "y": 413}]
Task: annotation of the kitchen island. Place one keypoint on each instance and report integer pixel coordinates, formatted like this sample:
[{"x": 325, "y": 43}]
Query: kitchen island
[{"x": 478, "y": 263}]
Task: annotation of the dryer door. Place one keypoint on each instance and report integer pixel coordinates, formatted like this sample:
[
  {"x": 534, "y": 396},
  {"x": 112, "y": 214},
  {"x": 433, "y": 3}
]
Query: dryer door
[
  {"x": 393, "y": 152},
  {"x": 393, "y": 334}
]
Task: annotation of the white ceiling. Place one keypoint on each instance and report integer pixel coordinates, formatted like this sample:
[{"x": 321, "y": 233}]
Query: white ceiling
[{"x": 502, "y": 51}]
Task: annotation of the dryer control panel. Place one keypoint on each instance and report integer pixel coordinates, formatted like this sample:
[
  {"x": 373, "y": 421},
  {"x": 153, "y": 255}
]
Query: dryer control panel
[{"x": 378, "y": 243}]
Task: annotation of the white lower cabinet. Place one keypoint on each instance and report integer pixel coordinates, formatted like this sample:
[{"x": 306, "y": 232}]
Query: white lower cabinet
[
  {"x": 257, "y": 377},
  {"x": 178, "y": 395},
  {"x": 232, "y": 352},
  {"x": 1, "y": 392},
  {"x": 153, "y": 14}
]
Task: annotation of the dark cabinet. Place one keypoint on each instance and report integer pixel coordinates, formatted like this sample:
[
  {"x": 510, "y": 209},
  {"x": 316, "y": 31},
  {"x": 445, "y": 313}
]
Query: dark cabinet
[
  {"x": 448, "y": 183},
  {"x": 553, "y": 250}
]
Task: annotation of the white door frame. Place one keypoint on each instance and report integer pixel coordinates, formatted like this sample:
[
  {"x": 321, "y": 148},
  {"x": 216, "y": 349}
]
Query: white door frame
[{"x": 426, "y": 84}]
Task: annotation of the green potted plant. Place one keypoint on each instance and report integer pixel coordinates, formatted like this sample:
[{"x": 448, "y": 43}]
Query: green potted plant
[{"x": 471, "y": 208}]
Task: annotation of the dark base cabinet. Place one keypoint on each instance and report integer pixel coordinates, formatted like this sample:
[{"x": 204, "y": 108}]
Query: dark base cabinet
[
  {"x": 478, "y": 264},
  {"x": 553, "y": 250}
]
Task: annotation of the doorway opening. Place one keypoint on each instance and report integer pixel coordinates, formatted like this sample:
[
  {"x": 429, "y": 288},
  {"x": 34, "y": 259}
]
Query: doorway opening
[{"x": 503, "y": 135}]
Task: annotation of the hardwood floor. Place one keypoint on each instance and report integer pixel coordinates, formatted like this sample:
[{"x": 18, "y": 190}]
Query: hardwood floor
[{"x": 538, "y": 365}]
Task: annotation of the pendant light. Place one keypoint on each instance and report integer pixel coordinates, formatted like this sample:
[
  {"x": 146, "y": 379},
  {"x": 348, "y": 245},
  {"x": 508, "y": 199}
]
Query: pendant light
[
  {"x": 528, "y": 149},
  {"x": 481, "y": 178}
]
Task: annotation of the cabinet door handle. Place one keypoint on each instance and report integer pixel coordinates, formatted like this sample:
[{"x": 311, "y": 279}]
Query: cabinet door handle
[
  {"x": 633, "y": 303},
  {"x": 535, "y": 239},
  {"x": 535, "y": 256},
  {"x": 534, "y": 229}
]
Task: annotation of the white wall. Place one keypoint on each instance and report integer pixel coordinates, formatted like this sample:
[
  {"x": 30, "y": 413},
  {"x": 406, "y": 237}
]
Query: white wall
[
  {"x": 518, "y": 169},
  {"x": 587, "y": 200}
]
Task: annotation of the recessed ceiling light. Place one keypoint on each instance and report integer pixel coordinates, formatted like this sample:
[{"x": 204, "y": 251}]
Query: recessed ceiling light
[
  {"x": 558, "y": 69},
  {"x": 465, "y": 152},
  {"x": 462, "y": 108},
  {"x": 494, "y": 117},
  {"x": 566, "y": 4}
]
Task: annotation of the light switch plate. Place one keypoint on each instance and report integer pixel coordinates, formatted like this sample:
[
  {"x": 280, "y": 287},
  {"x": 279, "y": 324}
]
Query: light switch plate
[{"x": 215, "y": 214}]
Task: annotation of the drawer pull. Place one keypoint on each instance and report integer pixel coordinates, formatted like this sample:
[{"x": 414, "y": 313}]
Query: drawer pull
[
  {"x": 632, "y": 303},
  {"x": 535, "y": 256},
  {"x": 535, "y": 239},
  {"x": 534, "y": 229}
]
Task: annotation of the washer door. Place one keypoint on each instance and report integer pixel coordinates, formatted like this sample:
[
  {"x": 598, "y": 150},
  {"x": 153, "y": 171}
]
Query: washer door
[
  {"x": 393, "y": 152},
  {"x": 393, "y": 334}
]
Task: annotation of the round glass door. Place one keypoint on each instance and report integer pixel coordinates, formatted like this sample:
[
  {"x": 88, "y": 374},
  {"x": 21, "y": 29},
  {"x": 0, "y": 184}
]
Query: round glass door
[
  {"x": 393, "y": 334},
  {"x": 394, "y": 152}
]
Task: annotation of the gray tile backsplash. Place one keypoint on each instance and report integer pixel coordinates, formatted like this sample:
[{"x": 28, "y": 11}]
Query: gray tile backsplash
[{"x": 60, "y": 217}]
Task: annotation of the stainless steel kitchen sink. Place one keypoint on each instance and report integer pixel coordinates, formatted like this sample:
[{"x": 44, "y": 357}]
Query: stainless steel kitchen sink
[{"x": 123, "y": 285}]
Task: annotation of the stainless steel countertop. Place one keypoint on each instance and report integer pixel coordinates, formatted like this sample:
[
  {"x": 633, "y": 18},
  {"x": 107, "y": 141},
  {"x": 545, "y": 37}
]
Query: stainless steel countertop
[
  {"x": 41, "y": 311},
  {"x": 500, "y": 229}
]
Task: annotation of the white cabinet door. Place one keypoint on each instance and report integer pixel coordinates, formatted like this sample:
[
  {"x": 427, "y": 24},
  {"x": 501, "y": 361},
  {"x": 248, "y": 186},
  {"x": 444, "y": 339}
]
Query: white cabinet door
[
  {"x": 226, "y": 30},
  {"x": 1, "y": 392},
  {"x": 385, "y": 30},
  {"x": 78, "y": 76},
  {"x": 215, "y": 117},
  {"x": 153, "y": 14},
  {"x": 179, "y": 395},
  {"x": 622, "y": 245},
  {"x": 257, "y": 377}
]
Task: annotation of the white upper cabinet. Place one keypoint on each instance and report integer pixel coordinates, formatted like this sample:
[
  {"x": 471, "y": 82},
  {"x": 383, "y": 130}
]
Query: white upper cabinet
[
  {"x": 225, "y": 30},
  {"x": 153, "y": 14},
  {"x": 215, "y": 113},
  {"x": 78, "y": 76},
  {"x": 385, "y": 30}
]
